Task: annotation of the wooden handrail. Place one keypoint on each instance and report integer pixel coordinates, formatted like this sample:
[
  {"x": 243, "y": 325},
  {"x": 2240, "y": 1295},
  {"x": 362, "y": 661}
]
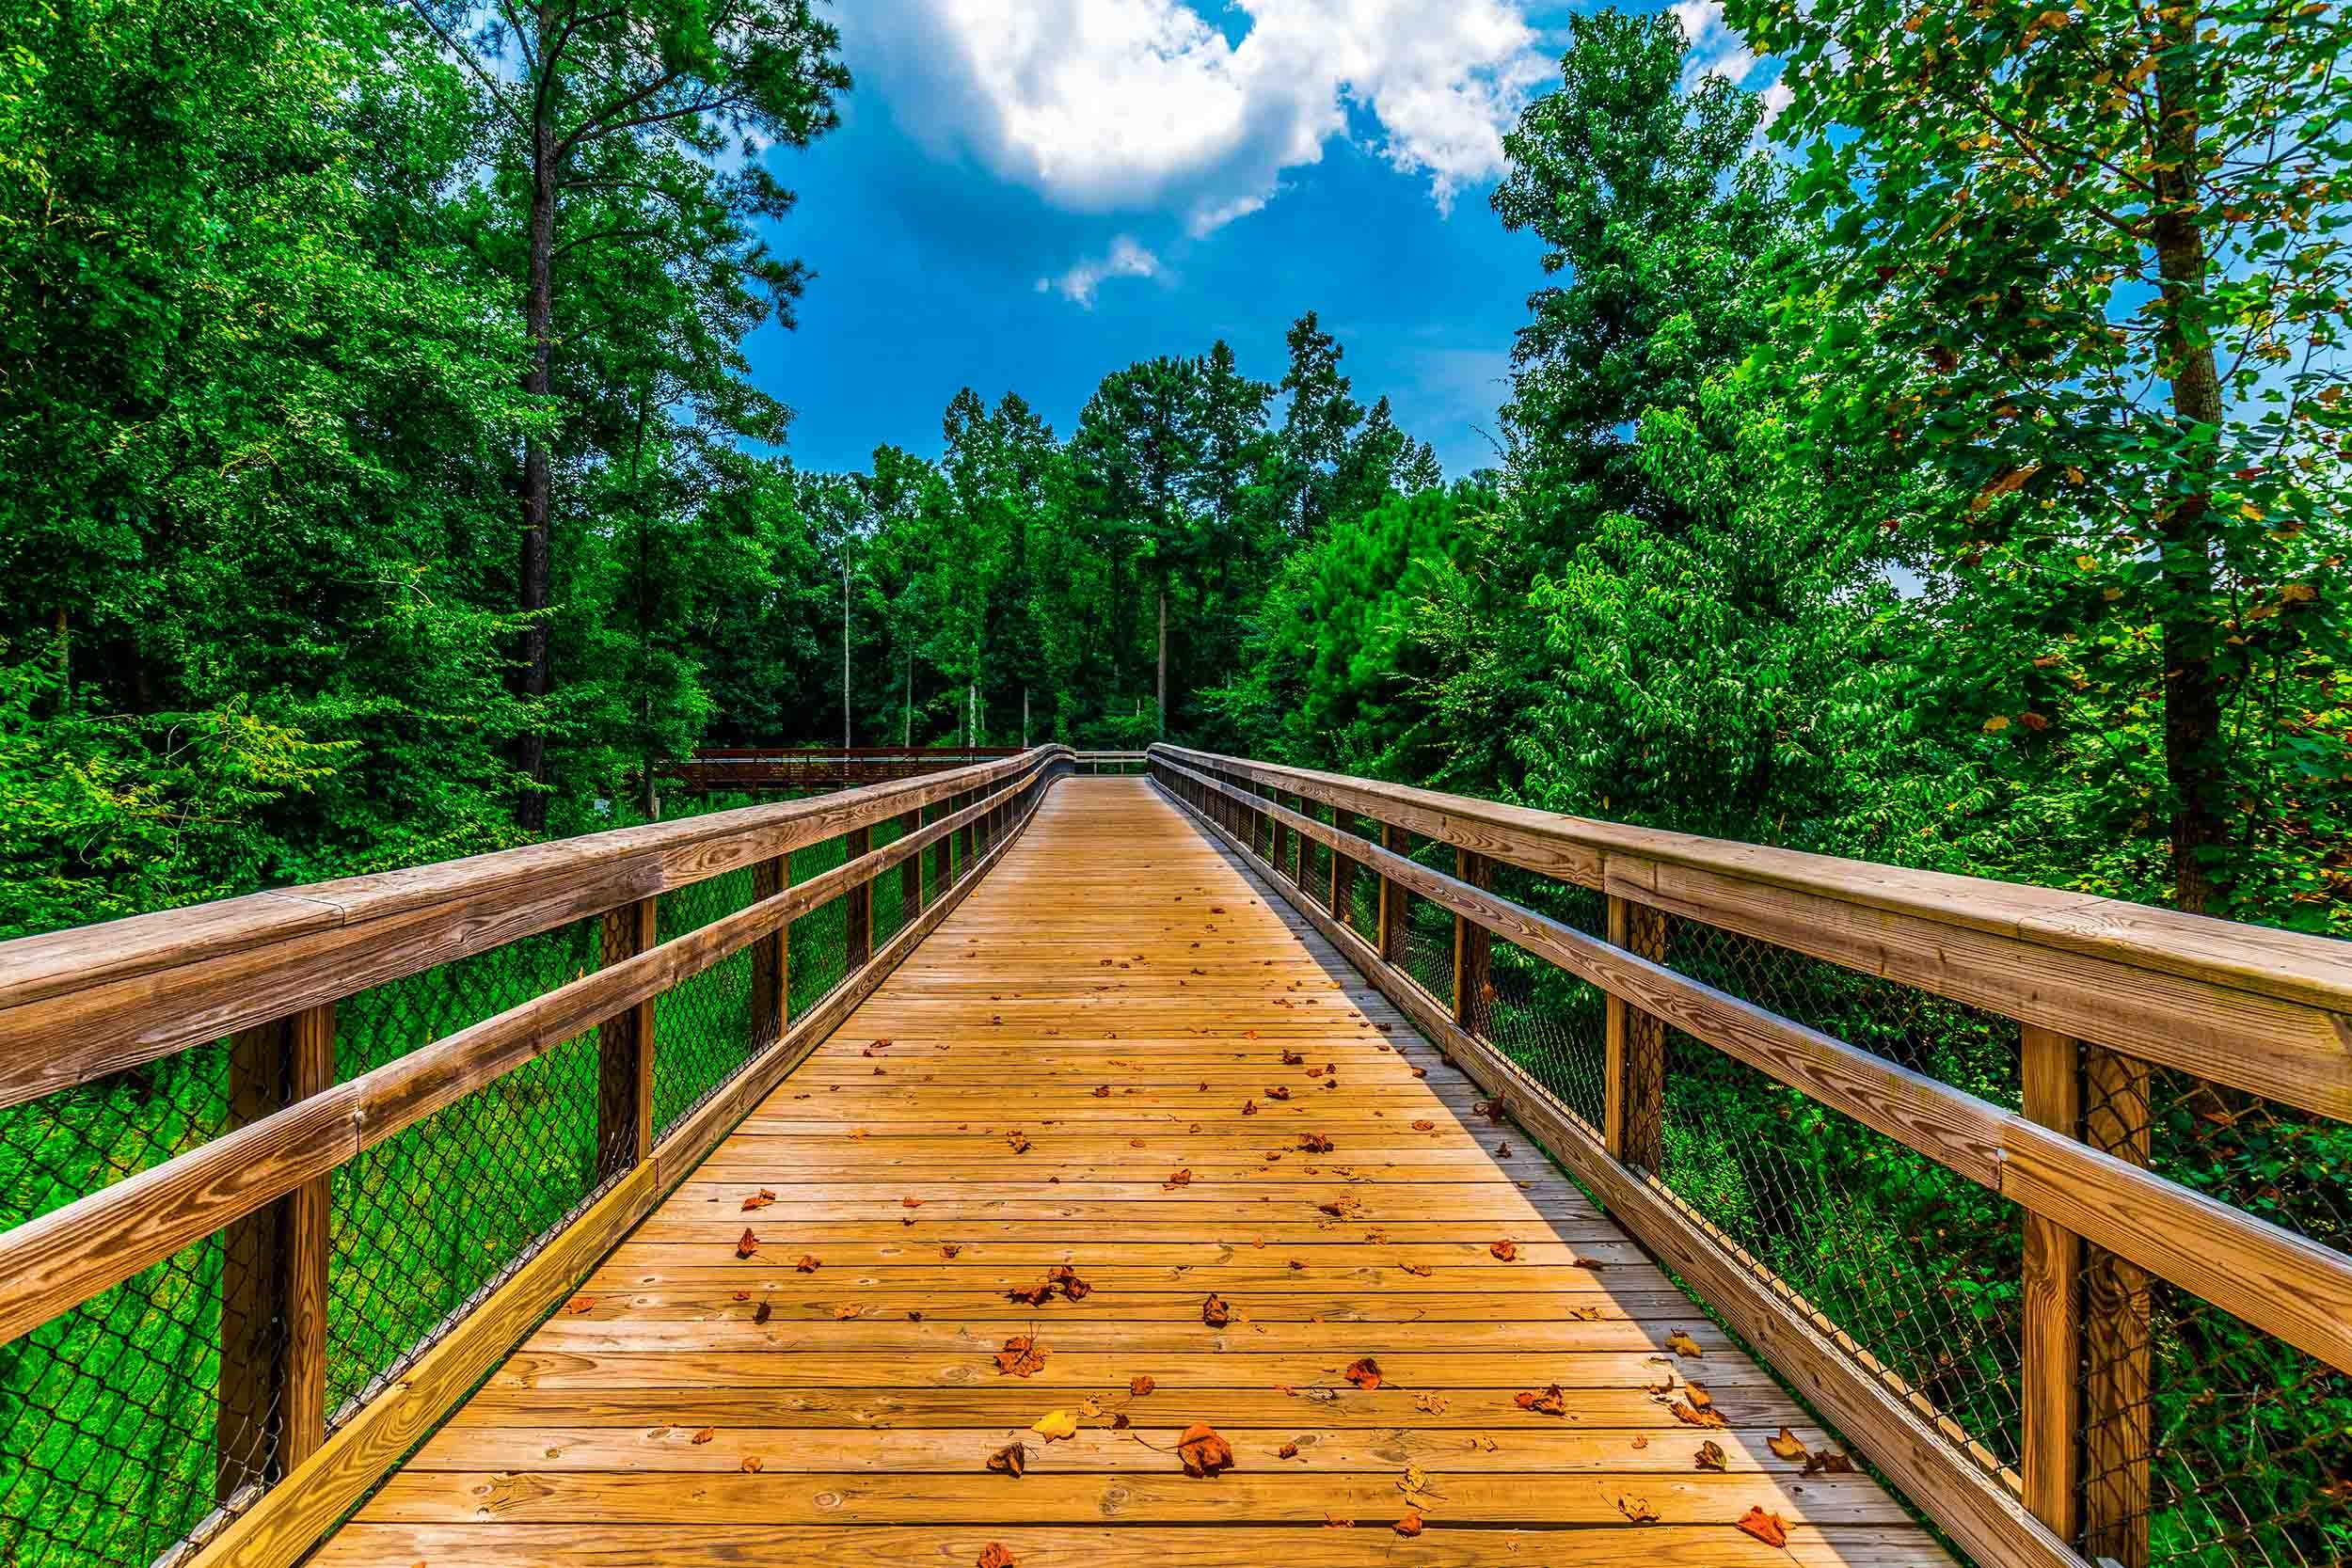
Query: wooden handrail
[
  {"x": 2263, "y": 1010},
  {"x": 272, "y": 1165},
  {"x": 2083, "y": 1195},
  {"x": 78, "y": 1004}
]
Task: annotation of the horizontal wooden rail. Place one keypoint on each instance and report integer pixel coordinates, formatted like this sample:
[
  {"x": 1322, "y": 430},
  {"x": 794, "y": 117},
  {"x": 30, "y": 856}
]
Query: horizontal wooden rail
[
  {"x": 52, "y": 1265},
  {"x": 2076, "y": 1184},
  {"x": 2262, "y": 1010},
  {"x": 76, "y": 1005}
]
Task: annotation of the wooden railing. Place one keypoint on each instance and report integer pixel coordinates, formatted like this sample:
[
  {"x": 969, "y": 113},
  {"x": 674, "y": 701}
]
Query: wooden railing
[
  {"x": 2103, "y": 996},
  {"x": 268, "y": 972},
  {"x": 756, "y": 768}
]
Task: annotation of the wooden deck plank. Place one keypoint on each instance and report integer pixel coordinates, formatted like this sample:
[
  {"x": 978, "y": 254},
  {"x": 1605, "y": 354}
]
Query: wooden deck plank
[{"x": 1116, "y": 994}]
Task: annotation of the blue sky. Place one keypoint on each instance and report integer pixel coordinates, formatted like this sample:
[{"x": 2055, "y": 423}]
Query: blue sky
[{"x": 1026, "y": 194}]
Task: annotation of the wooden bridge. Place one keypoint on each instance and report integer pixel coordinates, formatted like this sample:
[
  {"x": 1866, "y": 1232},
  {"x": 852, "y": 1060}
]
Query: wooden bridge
[{"x": 1187, "y": 1170}]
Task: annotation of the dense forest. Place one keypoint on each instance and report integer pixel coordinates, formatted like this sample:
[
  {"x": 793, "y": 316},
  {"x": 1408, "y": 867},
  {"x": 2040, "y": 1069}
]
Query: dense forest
[{"x": 1947, "y": 468}]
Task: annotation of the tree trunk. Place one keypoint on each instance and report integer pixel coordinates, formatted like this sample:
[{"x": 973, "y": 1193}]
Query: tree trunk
[
  {"x": 1160, "y": 722},
  {"x": 535, "y": 677},
  {"x": 2194, "y": 762},
  {"x": 906, "y": 709}
]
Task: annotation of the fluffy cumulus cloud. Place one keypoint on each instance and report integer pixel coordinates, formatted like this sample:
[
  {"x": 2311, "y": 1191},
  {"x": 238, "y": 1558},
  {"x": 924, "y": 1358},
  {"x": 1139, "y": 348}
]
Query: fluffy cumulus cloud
[
  {"x": 1124, "y": 259},
  {"x": 1104, "y": 105}
]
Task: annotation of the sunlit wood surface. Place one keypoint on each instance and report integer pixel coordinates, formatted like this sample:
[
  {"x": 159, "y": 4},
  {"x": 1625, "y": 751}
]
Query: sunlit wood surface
[{"x": 1119, "y": 996}]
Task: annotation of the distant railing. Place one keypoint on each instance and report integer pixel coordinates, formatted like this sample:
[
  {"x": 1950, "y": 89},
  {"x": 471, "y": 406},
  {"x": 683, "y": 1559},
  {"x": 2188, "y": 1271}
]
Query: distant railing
[
  {"x": 2044, "y": 1200},
  {"x": 286, "y": 1175},
  {"x": 761, "y": 768}
]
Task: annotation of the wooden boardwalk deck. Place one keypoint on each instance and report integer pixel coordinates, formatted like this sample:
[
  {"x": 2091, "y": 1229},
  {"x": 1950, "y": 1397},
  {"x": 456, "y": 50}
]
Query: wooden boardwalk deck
[{"x": 1119, "y": 998}]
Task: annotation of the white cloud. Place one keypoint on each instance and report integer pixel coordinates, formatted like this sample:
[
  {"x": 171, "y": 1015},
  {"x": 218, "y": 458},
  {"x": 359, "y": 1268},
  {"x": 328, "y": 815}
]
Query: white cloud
[
  {"x": 1120, "y": 105},
  {"x": 1715, "y": 49},
  {"x": 1125, "y": 259}
]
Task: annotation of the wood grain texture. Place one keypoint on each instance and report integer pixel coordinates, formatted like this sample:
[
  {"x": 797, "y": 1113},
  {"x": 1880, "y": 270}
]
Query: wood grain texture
[
  {"x": 2049, "y": 1375},
  {"x": 2264, "y": 1010},
  {"x": 1159, "y": 968}
]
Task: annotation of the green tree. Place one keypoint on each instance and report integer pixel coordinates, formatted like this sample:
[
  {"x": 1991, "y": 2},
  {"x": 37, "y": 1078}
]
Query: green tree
[
  {"x": 614, "y": 128},
  {"x": 2094, "y": 280}
]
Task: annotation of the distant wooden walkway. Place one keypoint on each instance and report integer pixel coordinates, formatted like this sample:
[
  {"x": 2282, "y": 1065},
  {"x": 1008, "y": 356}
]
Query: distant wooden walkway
[{"x": 1081, "y": 1067}]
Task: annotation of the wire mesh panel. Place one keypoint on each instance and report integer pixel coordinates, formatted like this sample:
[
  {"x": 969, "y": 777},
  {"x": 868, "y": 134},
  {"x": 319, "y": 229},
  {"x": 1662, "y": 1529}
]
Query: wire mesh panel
[
  {"x": 431, "y": 1218},
  {"x": 1545, "y": 1020},
  {"x": 703, "y": 1024},
  {"x": 112, "y": 1419},
  {"x": 819, "y": 950},
  {"x": 2207, "y": 1441}
]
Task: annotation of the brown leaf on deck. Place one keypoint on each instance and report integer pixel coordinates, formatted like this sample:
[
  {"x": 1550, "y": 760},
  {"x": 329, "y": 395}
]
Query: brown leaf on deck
[
  {"x": 1202, "y": 1452},
  {"x": 1771, "y": 1529}
]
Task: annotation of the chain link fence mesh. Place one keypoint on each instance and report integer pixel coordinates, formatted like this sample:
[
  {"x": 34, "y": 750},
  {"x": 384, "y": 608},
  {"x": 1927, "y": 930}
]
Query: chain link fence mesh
[{"x": 114, "y": 1446}]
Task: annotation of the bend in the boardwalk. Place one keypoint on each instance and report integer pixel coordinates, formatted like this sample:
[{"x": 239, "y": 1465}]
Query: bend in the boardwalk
[{"x": 1117, "y": 996}]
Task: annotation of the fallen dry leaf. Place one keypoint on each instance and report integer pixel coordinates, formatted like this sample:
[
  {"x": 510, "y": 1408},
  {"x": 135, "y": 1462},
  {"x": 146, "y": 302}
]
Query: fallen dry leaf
[
  {"x": 1710, "y": 1456},
  {"x": 1202, "y": 1452},
  {"x": 1432, "y": 1404},
  {"x": 1550, "y": 1402},
  {"x": 577, "y": 1305},
  {"x": 1215, "y": 1313},
  {"x": 1640, "y": 1441},
  {"x": 1140, "y": 1384},
  {"x": 1682, "y": 1344},
  {"x": 1409, "y": 1526},
  {"x": 1315, "y": 1142},
  {"x": 1788, "y": 1446},
  {"x": 1018, "y": 1141},
  {"x": 1278, "y": 1092},
  {"x": 1695, "y": 1416},
  {"x": 1636, "y": 1509},
  {"x": 762, "y": 1313},
  {"x": 1055, "y": 1425},
  {"x": 746, "y": 1244},
  {"x": 910, "y": 1203},
  {"x": 1771, "y": 1529},
  {"x": 706, "y": 1434},
  {"x": 1425, "y": 1126},
  {"x": 1829, "y": 1462},
  {"x": 1011, "y": 1460},
  {"x": 949, "y": 1249},
  {"x": 760, "y": 1199},
  {"x": 1249, "y": 1107},
  {"x": 843, "y": 1311},
  {"x": 1021, "y": 1356},
  {"x": 994, "y": 1555},
  {"x": 1365, "y": 1372},
  {"x": 1421, "y": 1269},
  {"x": 1506, "y": 1250},
  {"x": 806, "y": 1265},
  {"x": 751, "y": 1465},
  {"x": 1102, "y": 1091},
  {"x": 1292, "y": 1058},
  {"x": 1177, "y": 1178}
]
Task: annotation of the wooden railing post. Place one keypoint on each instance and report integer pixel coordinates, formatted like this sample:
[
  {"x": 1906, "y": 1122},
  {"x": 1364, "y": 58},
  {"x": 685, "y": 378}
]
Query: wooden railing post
[
  {"x": 624, "y": 1053},
  {"x": 857, "y": 906},
  {"x": 271, "y": 1413},
  {"x": 963, "y": 834},
  {"x": 771, "y": 991},
  {"x": 1342, "y": 876},
  {"x": 1473, "y": 950},
  {"x": 1393, "y": 906},
  {"x": 1298, "y": 846},
  {"x": 2117, "y": 1340},
  {"x": 1634, "y": 1114},
  {"x": 2050, "y": 1373},
  {"x": 1277, "y": 842},
  {"x": 910, "y": 871}
]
